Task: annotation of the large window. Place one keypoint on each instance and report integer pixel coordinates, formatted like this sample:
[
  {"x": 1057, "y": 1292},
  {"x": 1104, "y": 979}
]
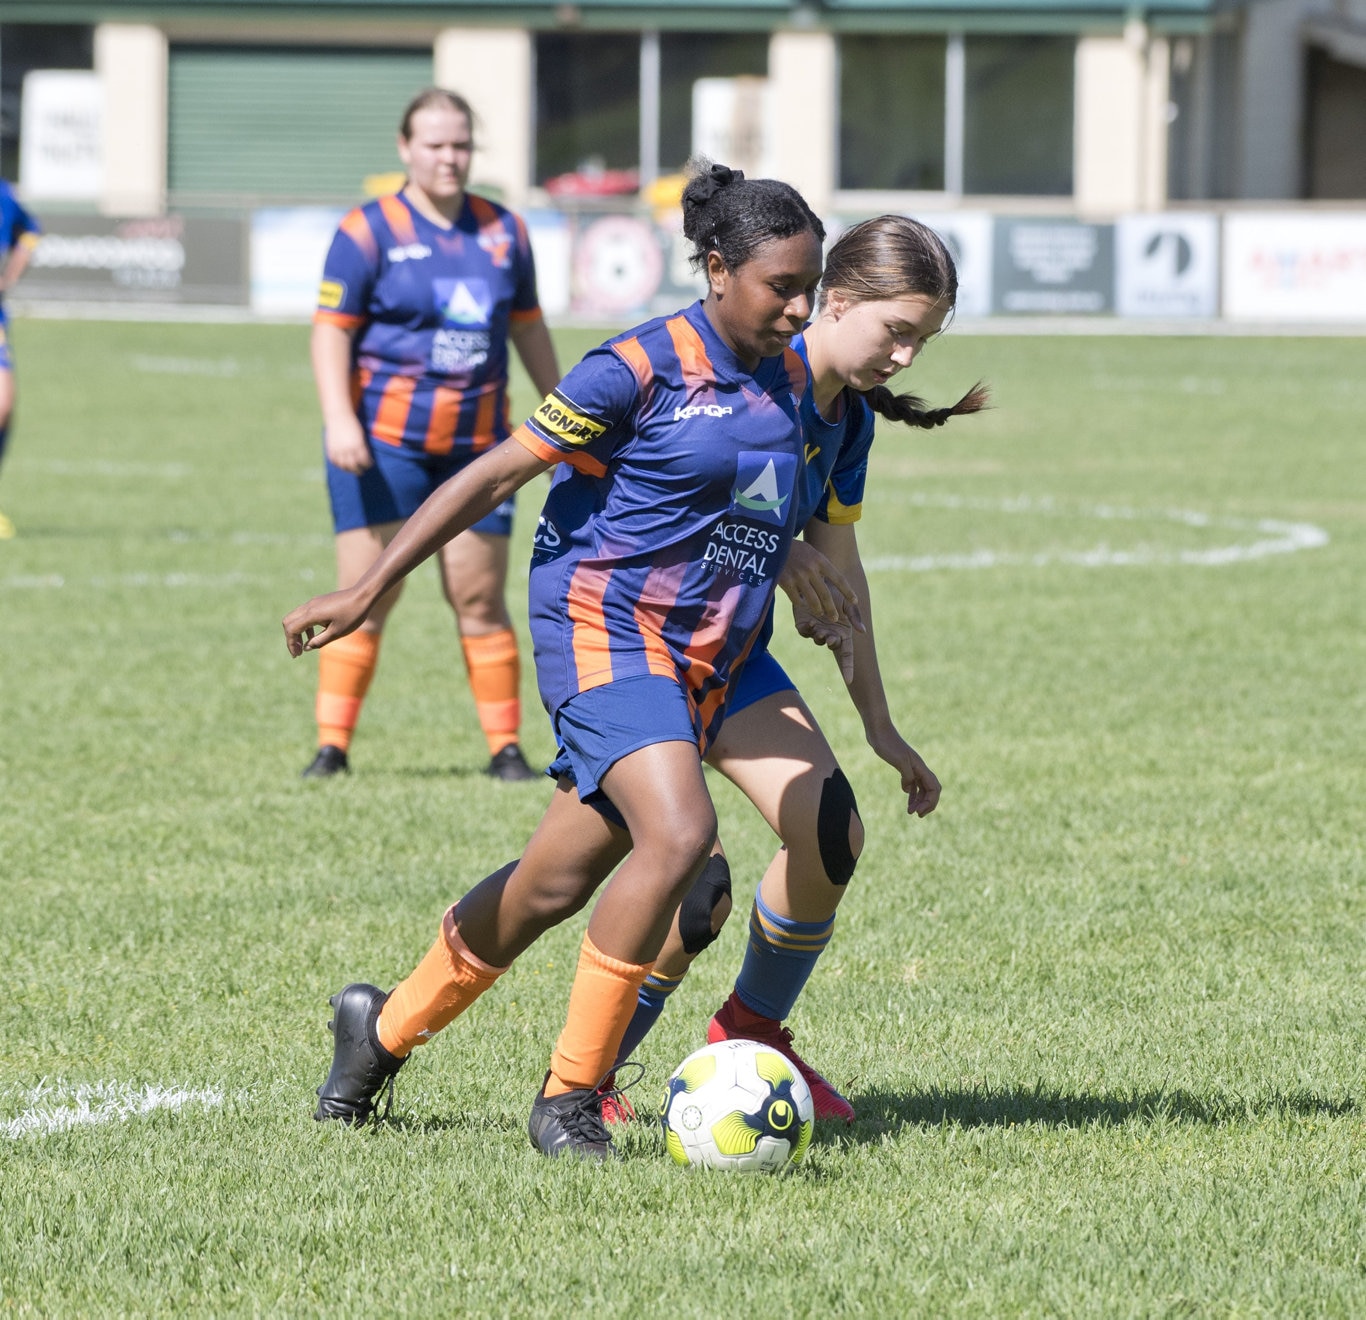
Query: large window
[
  {"x": 25, "y": 47},
  {"x": 587, "y": 102},
  {"x": 623, "y": 101},
  {"x": 892, "y": 113},
  {"x": 1017, "y": 124},
  {"x": 957, "y": 114}
]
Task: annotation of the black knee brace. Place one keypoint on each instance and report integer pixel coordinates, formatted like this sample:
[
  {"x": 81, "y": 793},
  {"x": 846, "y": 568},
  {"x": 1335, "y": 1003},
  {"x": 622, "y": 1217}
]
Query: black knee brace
[
  {"x": 694, "y": 913},
  {"x": 837, "y": 808}
]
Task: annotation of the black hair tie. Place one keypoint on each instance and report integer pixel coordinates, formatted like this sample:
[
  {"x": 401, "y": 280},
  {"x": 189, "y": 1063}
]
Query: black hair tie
[{"x": 705, "y": 187}]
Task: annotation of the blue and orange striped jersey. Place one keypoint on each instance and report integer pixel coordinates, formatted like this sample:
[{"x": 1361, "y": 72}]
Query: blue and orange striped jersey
[
  {"x": 16, "y": 224},
  {"x": 431, "y": 309},
  {"x": 670, "y": 515}
]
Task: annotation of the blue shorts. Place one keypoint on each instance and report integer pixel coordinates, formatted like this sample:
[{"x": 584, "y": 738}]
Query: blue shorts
[
  {"x": 598, "y": 727},
  {"x": 760, "y": 676},
  {"x": 395, "y": 487}
]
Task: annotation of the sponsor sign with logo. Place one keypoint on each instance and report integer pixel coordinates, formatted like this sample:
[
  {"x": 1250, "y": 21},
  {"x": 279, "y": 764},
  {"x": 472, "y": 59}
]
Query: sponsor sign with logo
[
  {"x": 165, "y": 259},
  {"x": 1167, "y": 265},
  {"x": 967, "y": 234},
  {"x": 1053, "y": 266},
  {"x": 1286, "y": 267}
]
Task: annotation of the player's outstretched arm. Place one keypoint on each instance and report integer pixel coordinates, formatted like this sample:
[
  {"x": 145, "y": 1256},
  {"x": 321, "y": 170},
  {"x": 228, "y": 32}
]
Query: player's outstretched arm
[
  {"x": 840, "y": 545},
  {"x": 452, "y": 508}
]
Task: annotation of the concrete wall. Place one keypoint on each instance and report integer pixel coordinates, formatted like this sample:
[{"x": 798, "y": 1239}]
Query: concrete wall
[
  {"x": 492, "y": 68},
  {"x": 802, "y": 70},
  {"x": 132, "y": 61}
]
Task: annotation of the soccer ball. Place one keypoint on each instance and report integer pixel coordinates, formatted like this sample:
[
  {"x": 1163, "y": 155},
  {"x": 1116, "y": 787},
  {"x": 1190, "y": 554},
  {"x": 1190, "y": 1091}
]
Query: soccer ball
[{"x": 737, "y": 1105}]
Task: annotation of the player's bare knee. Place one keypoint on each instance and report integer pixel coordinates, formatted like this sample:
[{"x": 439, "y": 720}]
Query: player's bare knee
[
  {"x": 705, "y": 906},
  {"x": 839, "y": 829}
]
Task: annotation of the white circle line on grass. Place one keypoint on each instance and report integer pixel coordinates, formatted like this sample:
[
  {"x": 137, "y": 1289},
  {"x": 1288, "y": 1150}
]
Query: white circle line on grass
[
  {"x": 1259, "y": 538},
  {"x": 53, "y": 1109}
]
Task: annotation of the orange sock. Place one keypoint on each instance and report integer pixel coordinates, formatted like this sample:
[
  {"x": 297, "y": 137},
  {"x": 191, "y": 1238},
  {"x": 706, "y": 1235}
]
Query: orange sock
[
  {"x": 345, "y": 668},
  {"x": 600, "y": 1006},
  {"x": 494, "y": 675},
  {"x": 441, "y": 987}
]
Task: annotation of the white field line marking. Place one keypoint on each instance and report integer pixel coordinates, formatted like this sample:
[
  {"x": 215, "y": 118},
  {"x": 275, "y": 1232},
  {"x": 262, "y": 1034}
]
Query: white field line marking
[
  {"x": 1269, "y": 536},
  {"x": 185, "y": 366},
  {"x": 53, "y": 1109},
  {"x": 133, "y": 471}
]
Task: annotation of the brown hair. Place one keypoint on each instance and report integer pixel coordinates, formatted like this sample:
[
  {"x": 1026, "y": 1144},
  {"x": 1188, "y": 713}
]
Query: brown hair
[
  {"x": 893, "y": 256},
  {"x": 428, "y": 97}
]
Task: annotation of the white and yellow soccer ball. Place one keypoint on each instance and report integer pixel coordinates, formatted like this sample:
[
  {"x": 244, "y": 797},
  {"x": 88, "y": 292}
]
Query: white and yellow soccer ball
[{"x": 737, "y": 1105}]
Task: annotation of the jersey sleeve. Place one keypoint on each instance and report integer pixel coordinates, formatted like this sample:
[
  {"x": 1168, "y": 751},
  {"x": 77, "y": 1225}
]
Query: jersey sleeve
[
  {"x": 842, "y": 500},
  {"x": 588, "y": 417},
  {"x": 526, "y": 305},
  {"x": 349, "y": 274}
]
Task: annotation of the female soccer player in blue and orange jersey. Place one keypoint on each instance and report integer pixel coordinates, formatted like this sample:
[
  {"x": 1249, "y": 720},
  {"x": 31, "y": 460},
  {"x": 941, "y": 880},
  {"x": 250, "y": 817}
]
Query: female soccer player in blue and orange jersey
[
  {"x": 678, "y": 455},
  {"x": 889, "y": 285},
  {"x": 421, "y": 293},
  {"x": 18, "y": 237}
]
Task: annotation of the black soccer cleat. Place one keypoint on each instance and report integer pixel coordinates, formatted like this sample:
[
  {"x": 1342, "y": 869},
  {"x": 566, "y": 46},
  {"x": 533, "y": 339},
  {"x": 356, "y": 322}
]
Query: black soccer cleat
[
  {"x": 328, "y": 762},
  {"x": 570, "y": 1124},
  {"x": 360, "y": 1064},
  {"x": 510, "y": 766}
]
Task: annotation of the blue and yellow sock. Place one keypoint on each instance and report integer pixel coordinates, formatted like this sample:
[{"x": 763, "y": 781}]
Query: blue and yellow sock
[
  {"x": 780, "y": 958},
  {"x": 650, "y": 1001}
]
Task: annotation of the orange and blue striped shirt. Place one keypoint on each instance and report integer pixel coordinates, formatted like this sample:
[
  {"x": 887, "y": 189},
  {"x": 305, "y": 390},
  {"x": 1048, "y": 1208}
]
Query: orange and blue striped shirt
[
  {"x": 670, "y": 515},
  {"x": 430, "y": 308}
]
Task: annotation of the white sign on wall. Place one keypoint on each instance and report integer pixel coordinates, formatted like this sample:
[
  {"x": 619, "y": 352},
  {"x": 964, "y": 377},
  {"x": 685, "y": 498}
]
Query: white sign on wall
[
  {"x": 61, "y": 148},
  {"x": 1167, "y": 265},
  {"x": 1288, "y": 267},
  {"x": 733, "y": 123},
  {"x": 967, "y": 235}
]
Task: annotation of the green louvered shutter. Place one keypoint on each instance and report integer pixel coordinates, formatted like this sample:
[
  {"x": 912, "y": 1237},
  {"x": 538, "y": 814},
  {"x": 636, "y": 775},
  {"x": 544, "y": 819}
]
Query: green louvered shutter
[{"x": 279, "y": 123}]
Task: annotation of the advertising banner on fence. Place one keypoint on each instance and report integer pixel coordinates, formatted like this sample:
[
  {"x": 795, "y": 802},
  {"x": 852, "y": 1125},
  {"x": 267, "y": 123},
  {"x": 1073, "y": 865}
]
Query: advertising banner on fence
[
  {"x": 1287, "y": 267},
  {"x": 167, "y": 259},
  {"x": 1167, "y": 265},
  {"x": 288, "y": 246},
  {"x": 968, "y": 236},
  {"x": 1053, "y": 266}
]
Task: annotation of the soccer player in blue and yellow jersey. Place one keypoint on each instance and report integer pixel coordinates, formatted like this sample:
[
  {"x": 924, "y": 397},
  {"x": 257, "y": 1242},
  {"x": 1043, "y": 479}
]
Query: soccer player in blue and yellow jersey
[
  {"x": 19, "y": 233},
  {"x": 678, "y": 453},
  {"x": 888, "y": 287},
  {"x": 420, "y": 294}
]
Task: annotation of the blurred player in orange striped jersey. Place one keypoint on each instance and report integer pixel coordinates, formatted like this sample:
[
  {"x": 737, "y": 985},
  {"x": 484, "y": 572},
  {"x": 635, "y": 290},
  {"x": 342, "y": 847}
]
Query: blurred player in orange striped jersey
[{"x": 421, "y": 293}]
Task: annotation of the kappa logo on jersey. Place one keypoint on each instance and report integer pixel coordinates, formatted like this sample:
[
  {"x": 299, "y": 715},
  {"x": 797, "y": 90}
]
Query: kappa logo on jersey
[
  {"x": 701, "y": 410},
  {"x": 409, "y": 252},
  {"x": 763, "y": 484},
  {"x": 562, "y": 421},
  {"x": 463, "y": 302},
  {"x": 331, "y": 294}
]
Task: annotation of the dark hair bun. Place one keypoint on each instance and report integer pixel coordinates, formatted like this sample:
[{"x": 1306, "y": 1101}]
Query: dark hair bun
[{"x": 705, "y": 186}]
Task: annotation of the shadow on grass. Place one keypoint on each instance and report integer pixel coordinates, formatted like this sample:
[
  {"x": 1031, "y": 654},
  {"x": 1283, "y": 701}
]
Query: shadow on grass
[{"x": 988, "y": 1106}]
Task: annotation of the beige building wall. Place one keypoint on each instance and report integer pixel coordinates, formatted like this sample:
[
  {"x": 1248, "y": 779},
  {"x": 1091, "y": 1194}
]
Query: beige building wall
[
  {"x": 1121, "y": 123},
  {"x": 492, "y": 69},
  {"x": 131, "y": 60},
  {"x": 802, "y": 71}
]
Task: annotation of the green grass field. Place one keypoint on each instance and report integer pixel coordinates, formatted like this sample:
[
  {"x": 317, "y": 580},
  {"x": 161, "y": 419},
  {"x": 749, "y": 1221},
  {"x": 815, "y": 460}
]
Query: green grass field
[{"x": 1101, "y": 1014}]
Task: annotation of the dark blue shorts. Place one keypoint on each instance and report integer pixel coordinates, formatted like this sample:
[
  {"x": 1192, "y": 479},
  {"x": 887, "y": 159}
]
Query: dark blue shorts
[
  {"x": 395, "y": 487},
  {"x": 760, "y": 677},
  {"x": 598, "y": 727}
]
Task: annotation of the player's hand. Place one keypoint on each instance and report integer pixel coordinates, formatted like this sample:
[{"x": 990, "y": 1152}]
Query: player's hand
[
  {"x": 336, "y": 614},
  {"x": 839, "y": 637},
  {"x": 814, "y": 583},
  {"x": 918, "y": 781},
  {"x": 346, "y": 445}
]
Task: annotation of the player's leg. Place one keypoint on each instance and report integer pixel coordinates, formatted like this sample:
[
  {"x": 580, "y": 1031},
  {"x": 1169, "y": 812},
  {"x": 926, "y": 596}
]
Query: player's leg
[
  {"x": 775, "y": 753},
  {"x": 633, "y": 743},
  {"x": 347, "y": 666},
  {"x": 6, "y": 411},
  {"x": 572, "y": 850},
  {"x": 474, "y": 569}
]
